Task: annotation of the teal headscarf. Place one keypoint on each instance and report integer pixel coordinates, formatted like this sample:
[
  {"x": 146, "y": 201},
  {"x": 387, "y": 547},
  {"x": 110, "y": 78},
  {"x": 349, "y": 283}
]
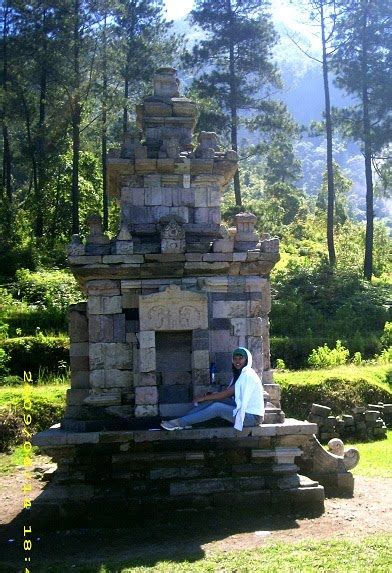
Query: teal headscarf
[{"x": 241, "y": 352}]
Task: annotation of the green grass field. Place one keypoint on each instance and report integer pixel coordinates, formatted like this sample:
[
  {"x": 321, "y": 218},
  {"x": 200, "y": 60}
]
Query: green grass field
[
  {"x": 376, "y": 458},
  {"x": 369, "y": 555},
  {"x": 379, "y": 374},
  {"x": 55, "y": 393}
]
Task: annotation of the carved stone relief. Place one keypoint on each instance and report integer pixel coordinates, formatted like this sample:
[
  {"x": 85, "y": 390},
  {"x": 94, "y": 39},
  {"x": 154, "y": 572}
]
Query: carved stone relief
[
  {"x": 173, "y": 309},
  {"x": 173, "y": 238}
]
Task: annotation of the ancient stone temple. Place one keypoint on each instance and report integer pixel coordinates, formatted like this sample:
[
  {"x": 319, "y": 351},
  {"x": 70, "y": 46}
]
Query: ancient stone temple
[{"x": 172, "y": 294}]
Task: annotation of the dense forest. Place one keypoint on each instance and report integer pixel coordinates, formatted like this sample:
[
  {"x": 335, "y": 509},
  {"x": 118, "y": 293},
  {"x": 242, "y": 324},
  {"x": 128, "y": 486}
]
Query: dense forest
[{"x": 71, "y": 73}]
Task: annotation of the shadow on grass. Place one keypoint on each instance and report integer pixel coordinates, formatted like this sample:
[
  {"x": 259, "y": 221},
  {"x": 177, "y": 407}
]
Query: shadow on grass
[{"x": 144, "y": 541}]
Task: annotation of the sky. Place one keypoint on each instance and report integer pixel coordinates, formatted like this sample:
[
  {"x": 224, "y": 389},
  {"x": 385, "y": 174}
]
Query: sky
[
  {"x": 284, "y": 13},
  {"x": 177, "y": 9}
]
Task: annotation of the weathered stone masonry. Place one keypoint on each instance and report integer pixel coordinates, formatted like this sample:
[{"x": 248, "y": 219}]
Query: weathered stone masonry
[{"x": 173, "y": 292}]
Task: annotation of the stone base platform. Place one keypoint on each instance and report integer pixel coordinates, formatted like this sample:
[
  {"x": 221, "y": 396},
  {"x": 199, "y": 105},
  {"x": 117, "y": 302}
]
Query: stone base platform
[{"x": 156, "y": 470}]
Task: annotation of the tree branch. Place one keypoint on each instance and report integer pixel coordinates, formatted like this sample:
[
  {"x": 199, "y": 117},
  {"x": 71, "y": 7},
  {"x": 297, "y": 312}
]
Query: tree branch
[{"x": 301, "y": 49}]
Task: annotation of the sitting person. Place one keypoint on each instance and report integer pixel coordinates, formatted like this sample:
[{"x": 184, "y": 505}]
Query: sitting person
[{"x": 242, "y": 403}]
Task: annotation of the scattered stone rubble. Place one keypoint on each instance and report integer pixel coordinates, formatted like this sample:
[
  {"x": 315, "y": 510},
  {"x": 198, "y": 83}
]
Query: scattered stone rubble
[{"x": 366, "y": 423}]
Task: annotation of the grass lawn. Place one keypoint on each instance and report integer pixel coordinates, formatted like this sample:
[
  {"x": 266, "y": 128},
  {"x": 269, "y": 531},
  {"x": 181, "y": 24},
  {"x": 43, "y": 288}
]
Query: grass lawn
[
  {"x": 54, "y": 393},
  {"x": 379, "y": 374},
  {"x": 368, "y": 555},
  {"x": 376, "y": 458}
]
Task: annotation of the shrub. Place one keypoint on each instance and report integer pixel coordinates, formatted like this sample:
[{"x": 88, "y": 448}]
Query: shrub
[
  {"x": 51, "y": 290},
  {"x": 11, "y": 429},
  {"x": 11, "y": 381},
  {"x": 385, "y": 356},
  {"x": 44, "y": 413},
  {"x": 55, "y": 288},
  {"x": 4, "y": 360},
  {"x": 35, "y": 353},
  {"x": 327, "y": 304},
  {"x": 294, "y": 351},
  {"x": 280, "y": 365},
  {"x": 41, "y": 306},
  {"x": 386, "y": 337},
  {"x": 13, "y": 257},
  {"x": 357, "y": 359},
  {"x": 324, "y": 357},
  {"x": 3, "y": 330},
  {"x": 336, "y": 392}
]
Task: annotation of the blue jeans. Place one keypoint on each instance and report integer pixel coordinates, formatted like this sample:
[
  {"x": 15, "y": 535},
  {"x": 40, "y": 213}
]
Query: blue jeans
[{"x": 210, "y": 410}]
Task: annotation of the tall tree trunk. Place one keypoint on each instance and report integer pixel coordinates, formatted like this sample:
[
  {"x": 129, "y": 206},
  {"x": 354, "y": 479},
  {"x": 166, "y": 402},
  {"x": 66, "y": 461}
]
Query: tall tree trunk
[
  {"x": 126, "y": 94},
  {"x": 53, "y": 226},
  {"x": 368, "y": 260},
  {"x": 328, "y": 129},
  {"x": 76, "y": 114},
  {"x": 75, "y": 167},
  {"x": 30, "y": 145},
  {"x": 104, "y": 130},
  {"x": 7, "y": 158},
  {"x": 39, "y": 218},
  {"x": 233, "y": 104}
]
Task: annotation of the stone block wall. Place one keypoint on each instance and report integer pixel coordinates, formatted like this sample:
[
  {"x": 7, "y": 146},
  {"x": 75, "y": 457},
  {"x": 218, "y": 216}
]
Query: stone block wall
[
  {"x": 124, "y": 473},
  {"x": 172, "y": 270},
  {"x": 362, "y": 423},
  {"x": 117, "y": 365}
]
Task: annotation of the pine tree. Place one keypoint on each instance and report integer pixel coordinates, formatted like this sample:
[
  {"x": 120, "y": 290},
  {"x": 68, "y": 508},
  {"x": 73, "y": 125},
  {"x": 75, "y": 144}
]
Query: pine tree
[
  {"x": 38, "y": 101},
  {"x": 322, "y": 13},
  {"x": 362, "y": 63},
  {"x": 233, "y": 63},
  {"x": 143, "y": 45},
  {"x": 6, "y": 17}
]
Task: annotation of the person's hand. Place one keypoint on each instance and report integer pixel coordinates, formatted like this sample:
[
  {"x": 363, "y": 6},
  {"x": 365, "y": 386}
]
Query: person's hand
[{"x": 198, "y": 400}]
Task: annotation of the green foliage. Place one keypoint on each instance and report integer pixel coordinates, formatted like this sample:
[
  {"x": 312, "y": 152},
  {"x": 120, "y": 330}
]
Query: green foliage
[
  {"x": 4, "y": 360},
  {"x": 324, "y": 357},
  {"x": 294, "y": 351},
  {"x": 44, "y": 412},
  {"x": 357, "y": 359},
  {"x": 361, "y": 64},
  {"x": 280, "y": 365},
  {"x": 36, "y": 353},
  {"x": 3, "y": 330},
  {"x": 11, "y": 380},
  {"x": 314, "y": 306},
  {"x": 339, "y": 391},
  {"x": 40, "y": 303},
  {"x": 386, "y": 337},
  {"x": 54, "y": 289},
  {"x": 386, "y": 356},
  {"x": 342, "y": 188}
]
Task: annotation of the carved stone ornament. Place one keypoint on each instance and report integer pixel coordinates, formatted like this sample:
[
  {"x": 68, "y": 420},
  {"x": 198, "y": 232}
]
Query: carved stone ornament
[
  {"x": 173, "y": 230},
  {"x": 75, "y": 247},
  {"x": 173, "y": 238},
  {"x": 96, "y": 235},
  {"x": 166, "y": 83},
  {"x": 350, "y": 456},
  {"x": 173, "y": 309},
  {"x": 123, "y": 244}
]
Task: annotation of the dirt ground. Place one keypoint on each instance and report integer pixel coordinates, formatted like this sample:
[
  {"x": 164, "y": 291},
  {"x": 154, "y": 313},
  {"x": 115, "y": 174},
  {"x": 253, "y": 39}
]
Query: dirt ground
[{"x": 187, "y": 533}]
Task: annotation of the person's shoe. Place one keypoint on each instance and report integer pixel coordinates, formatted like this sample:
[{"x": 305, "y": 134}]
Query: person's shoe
[{"x": 172, "y": 425}]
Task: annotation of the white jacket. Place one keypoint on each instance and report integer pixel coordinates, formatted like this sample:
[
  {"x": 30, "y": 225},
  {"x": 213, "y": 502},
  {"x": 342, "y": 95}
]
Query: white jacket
[{"x": 248, "y": 394}]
